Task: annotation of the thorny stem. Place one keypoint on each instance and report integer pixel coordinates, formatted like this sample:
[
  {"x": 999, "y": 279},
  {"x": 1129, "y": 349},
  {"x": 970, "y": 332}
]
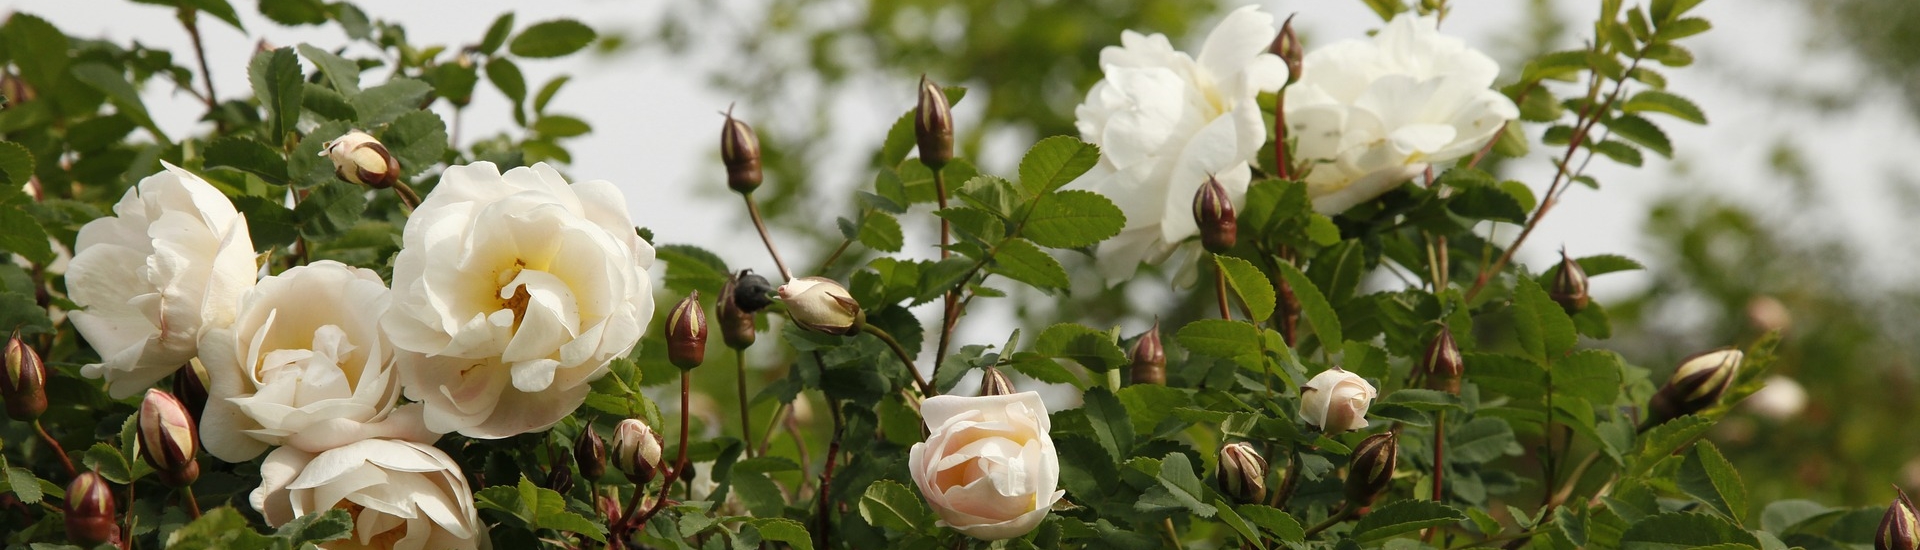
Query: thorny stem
[
  {"x": 1346, "y": 510},
  {"x": 950, "y": 310},
  {"x": 746, "y": 410},
  {"x": 57, "y": 449},
  {"x": 189, "y": 18},
  {"x": 753, "y": 210},
  {"x": 905, "y": 358}
]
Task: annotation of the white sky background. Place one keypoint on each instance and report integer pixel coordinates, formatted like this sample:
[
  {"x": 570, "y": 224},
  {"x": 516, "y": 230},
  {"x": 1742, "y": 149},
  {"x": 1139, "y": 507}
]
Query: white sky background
[{"x": 656, "y": 131}]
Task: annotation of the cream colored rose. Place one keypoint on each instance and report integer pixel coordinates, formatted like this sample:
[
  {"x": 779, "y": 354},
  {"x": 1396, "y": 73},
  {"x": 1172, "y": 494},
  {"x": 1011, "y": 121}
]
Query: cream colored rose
[
  {"x": 402, "y": 495},
  {"x": 988, "y": 466},
  {"x": 1367, "y": 115},
  {"x": 822, "y": 305},
  {"x": 304, "y": 365},
  {"x": 1165, "y": 121},
  {"x": 172, "y": 261},
  {"x": 515, "y": 288},
  {"x": 1336, "y": 401}
]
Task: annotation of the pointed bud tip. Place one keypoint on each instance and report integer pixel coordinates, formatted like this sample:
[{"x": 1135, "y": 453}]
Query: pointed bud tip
[
  {"x": 1570, "y": 285},
  {"x": 1149, "y": 358},
  {"x": 1442, "y": 364},
  {"x": 1242, "y": 473},
  {"x": 1370, "y": 471},
  {"x": 168, "y": 438},
  {"x": 23, "y": 382},
  {"x": 994, "y": 382},
  {"x": 1213, "y": 212},
  {"x": 687, "y": 333},
  {"x": 933, "y": 125},
  {"x": 590, "y": 454},
  {"x": 740, "y": 152},
  {"x": 90, "y": 510}
]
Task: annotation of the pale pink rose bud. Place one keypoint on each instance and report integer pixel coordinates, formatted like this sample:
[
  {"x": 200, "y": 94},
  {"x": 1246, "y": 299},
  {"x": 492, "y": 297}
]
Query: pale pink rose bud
[
  {"x": 1336, "y": 401},
  {"x": 360, "y": 159},
  {"x": 820, "y": 304},
  {"x": 1242, "y": 473},
  {"x": 168, "y": 438},
  {"x": 636, "y": 450}
]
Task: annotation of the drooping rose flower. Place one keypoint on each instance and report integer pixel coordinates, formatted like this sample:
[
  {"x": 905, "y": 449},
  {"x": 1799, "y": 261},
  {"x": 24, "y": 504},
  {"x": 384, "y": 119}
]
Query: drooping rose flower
[
  {"x": 1165, "y": 121},
  {"x": 988, "y": 466},
  {"x": 170, "y": 263},
  {"x": 1367, "y": 115},
  {"x": 304, "y": 364},
  {"x": 517, "y": 288},
  {"x": 1336, "y": 401},
  {"x": 402, "y": 495}
]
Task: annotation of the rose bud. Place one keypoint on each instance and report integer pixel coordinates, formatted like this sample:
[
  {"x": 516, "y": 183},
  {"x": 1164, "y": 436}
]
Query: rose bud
[
  {"x": 1570, "y": 285},
  {"x": 190, "y": 386},
  {"x": 820, "y": 304},
  {"x": 24, "y": 384},
  {"x": 1286, "y": 46},
  {"x": 1242, "y": 473},
  {"x": 988, "y": 466},
  {"x": 1442, "y": 363},
  {"x": 636, "y": 450},
  {"x": 90, "y": 511},
  {"x": 994, "y": 382},
  {"x": 1149, "y": 358},
  {"x": 933, "y": 125},
  {"x": 168, "y": 439},
  {"x": 752, "y": 292},
  {"x": 1696, "y": 385},
  {"x": 736, "y": 325},
  {"x": 559, "y": 479},
  {"x": 740, "y": 151},
  {"x": 360, "y": 159},
  {"x": 687, "y": 333},
  {"x": 1213, "y": 211},
  {"x": 590, "y": 454},
  {"x": 1336, "y": 401},
  {"x": 1371, "y": 469},
  {"x": 1767, "y": 314},
  {"x": 1900, "y": 528}
]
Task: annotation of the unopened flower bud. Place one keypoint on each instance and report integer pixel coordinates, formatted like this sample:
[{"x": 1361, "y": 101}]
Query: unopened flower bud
[
  {"x": 1570, "y": 285},
  {"x": 1371, "y": 469},
  {"x": 1213, "y": 211},
  {"x": 820, "y": 304},
  {"x": 168, "y": 439},
  {"x": 1286, "y": 45},
  {"x": 1900, "y": 528},
  {"x": 740, "y": 151},
  {"x": 636, "y": 450},
  {"x": 1442, "y": 363},
  {"x": 994, "y": 382},
  {"x": 933, "y": 125},
  {"x": 190, "y": 386},
  {"x": 24, "y": 383},
  {"x": 752, "y": 292},
  {"x": 736, "y": 325},
  {"x": 1766, "y": 314},
  {"x": 687, "y": 333},
  {"x": 90, "y": 511},
  {"x": 1242, "y": 473},
  {"x": 1696, "y": 385},
  {"x": 1149, "y": 359},
  {"x": 559, "y": 479},
  {"x": 360, "y": 159},
  {"x": 590, "y": 454}
]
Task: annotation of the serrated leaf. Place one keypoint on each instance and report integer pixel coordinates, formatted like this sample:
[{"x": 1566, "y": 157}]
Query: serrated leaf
[
  {"x": 1783, "y": 515},
  {"x": 1219, "y": 338},
  {"x": 1482, "y": 439},
  {"x": 1403, "y": 517},
  {"x": 1657, "y": 101},
  {"x": 1590, "y": 374},
  {"x": 692, "y": 268},
  {"x": 1151, "y": 397},
  {"x": 891, "y": 505},
  {"x": 1239, "y": 525},
  {"x": 1090, "y": 348},
  {"x": 1675, "y": 530},
  {"x": 277, "y": 84},
  {"x": 16, "y": 164},
  {"x": 1544, "y": 330},
  {"x": 560, "y": 126},
  {"x": 1021, "y": 260},
  {"x": 1054, "y": 162},
  {"x": 112, "y": 81},
  {"x": 417, "y": 140},
  {"x": 1641, "y": 131},
  {"x": 1619, "y": 151},
  {"x": 551, "y": 39},
  {"x": 974, "y": 223},
  {"x": 1112, "y": 427},
  {"x": 318, "y": 527},
  {"x": 1314, "y": 307},
  {"x": 783, "y": 530},
  {"x": 386, "y": 102},
  {"x": 326, "y": 103},
  {"x": 1708, "y": 476},
  {"x": 1282, "y": 525},
  {"x": 24, "y": 485},
  {"x": 342, "y": 74},
  {"x": 1487, "y": 202},
  {"x": 1072, "y": 219},
  {"x": 246, "y": 155},
  {"x": 1252, "y": 286},
  {"x": 880, "y": 231},
  {"x": 330, "y": 209},
  {"x": 1661, "y": 441},
  {"x": 506, "y": 76},
  {"x": 1180, "y": 485}
]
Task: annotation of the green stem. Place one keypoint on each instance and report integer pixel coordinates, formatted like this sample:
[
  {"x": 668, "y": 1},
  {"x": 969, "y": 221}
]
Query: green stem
[
  {"x": 1346, "y": 510},
  {"x": 905, "y": 358}
]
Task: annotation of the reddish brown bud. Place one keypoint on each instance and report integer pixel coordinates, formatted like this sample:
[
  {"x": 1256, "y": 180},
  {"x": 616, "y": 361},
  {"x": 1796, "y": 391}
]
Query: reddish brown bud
[
  {"x": 1696, "y": 385},
  {"x": 1569, "y": 285},
  {"x": 190, "y": 386},
  {"x": 1371, "y": 469},
  {"x": 559, "y": 479},
  {"x": 168, "y": 439},
  {"x": 740, "y": 151},
  {"x": 687, "y": 333},
  {"x": 1213, "y": 211},
  {"x": 736, "y": 324},
  {"x": 994, "y": 382},
  {"x": 590, "y": 454},
  {"x": 1149, "y": 359},
  {"x": 90, "y": 511},
  {"x": 933, "y": 125},
  {"x": 1286, "y": 45},
  {"x": 1442, "y": 363},
  {"x": 24, "y": 381},
  {"x": 1900, "y": 527}
]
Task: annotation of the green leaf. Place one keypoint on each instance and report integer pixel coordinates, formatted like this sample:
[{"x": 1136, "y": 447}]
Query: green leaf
[
  {"x": 219, "y": 528},
  {"x": 1314, "y": 307},
  {"x": 317, "y": 527},
  {"x": 16, "y": 164},
  {"x": 1054, "y": 162},
  {"x": 1073, "y": 219},
  {"x": 1619, "y": 151},
  {"x": 1240, "y": 526},
  {"x": 1676, "y": 530},
  {"x": 1151, "y": 397},
  {"x": 278, "y": 85},
  {"x": 326, "y": 103},
  {"x": 551, "y": 39},
  {"x": 24, "y": 484},
  {"x": 880, "y": 231},
  {"x": 891, "y": 505},
  {"x": 112, "y": 81},
  {"x": 783, "y": 530},
  {"x": 496, "y": 34},
  {"x": 505, "y": 75},
  {"x": 1111, "y": 425},
  {"x": 21, "y": 234},
  {"x": 1090, "y": 348},
  {"x": 342, "y": 74},
  {"x": 417, "y": 140},
  {"x": 294, "y": 12},
  {"x": 1483, "y": 439},
  {"x": 1663, "y": 440},
  {"x": 1590, "y": 374},
  {"x": 1178, "y": 486},
  {"x": 1281, "y": 524},
  {"x": 974, "y": 223},
  {"x": 1657, "y": 101},
  {"x": 1219, "y": 338},
  {"x": 1544, "y": 330},
  {"x": 1021, "y": 260},
  {"x": 1487, "y": 202},
  {"x": 561, "y": 126},
  {"x": 1643, "y": 132},
  {"x": 1708, "y": 476},
  {"x": 387, "y": 102},
  {"x": 1403, "y": 517},
  {"x": 330, "y": 209},
  {"x": 1252, "y": 286},
  {"x": 692, "y": 268},
  {"x": 246, "y": 155}
]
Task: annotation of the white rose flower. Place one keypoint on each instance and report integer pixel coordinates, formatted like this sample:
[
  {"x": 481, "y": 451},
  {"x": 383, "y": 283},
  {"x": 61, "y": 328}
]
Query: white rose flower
[
  {"x": 515, "y": 291},
  {"x": 171, "y": 262},
  {"x": 988, "y": 466},
  {"x": 1165, "y": 121},
  {"x": 401, "y": 494},
  {"x": 1336, "y": 401},
  {"x": 1781, "y": 399},
  {"x": 1367, "y": 115},
  {"x": 304, "y": 365}
]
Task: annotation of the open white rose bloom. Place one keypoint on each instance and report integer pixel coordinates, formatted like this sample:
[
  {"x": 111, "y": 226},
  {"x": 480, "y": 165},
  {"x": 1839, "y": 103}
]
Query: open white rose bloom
[
  {"x": 988, "y": 466},
  {"x": 1165, "y": 121},
  {"x": 515, "y": 291},
  {"x": 402, "y": 495},
  {"x": 304, "y": 365},
  {"x": 172, "y": 261},
  {"x": 1367, "y": 115}
]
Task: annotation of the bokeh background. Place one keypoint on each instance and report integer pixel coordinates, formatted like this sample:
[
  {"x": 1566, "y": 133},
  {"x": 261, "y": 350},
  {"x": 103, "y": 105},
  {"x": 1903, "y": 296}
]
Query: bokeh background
[{"x": 1792, "y": 209}]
